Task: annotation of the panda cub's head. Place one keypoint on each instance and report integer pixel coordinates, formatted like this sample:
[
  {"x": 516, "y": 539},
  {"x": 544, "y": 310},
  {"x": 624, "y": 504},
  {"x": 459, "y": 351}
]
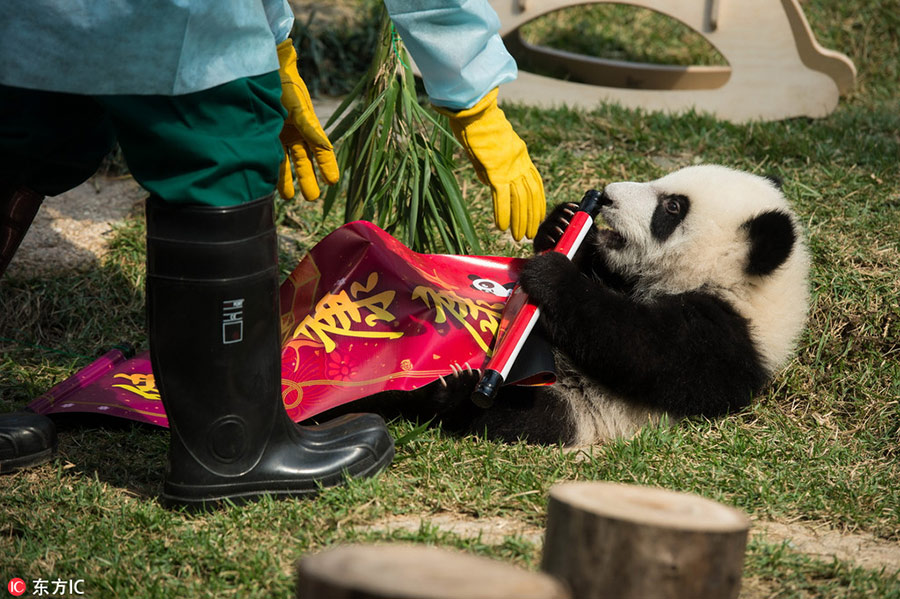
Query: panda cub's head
[{"x": 715, "y": 230}]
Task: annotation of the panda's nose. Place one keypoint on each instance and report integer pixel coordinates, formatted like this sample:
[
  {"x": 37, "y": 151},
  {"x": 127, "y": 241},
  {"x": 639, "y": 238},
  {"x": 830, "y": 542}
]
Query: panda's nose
[{"x": 604, "y": 199}]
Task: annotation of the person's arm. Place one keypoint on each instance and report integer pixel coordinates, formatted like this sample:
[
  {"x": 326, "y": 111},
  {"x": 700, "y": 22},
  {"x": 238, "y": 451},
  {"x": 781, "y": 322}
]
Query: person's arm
[
  {"x": 458, "y": 50},
  {"x": 280, "y": 17},
  {"x": 456, "y": 46}
]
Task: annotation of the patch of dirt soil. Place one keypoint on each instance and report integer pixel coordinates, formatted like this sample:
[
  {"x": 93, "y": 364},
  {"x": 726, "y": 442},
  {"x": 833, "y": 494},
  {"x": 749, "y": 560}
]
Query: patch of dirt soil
[
  {"x": 491, "y": 531},
  {"x": 329, "y": 12},
  {"x": 817, "y": 541},
  {"x": 823, "y": 543},
  {"x": 70, "y": 231}
]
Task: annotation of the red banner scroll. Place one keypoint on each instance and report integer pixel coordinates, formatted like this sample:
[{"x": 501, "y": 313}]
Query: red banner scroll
[{"x": 361, "y": 314}]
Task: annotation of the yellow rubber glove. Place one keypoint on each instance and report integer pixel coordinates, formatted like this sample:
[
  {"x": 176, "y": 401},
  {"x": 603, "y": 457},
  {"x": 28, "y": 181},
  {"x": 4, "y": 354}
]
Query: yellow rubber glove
[
  {"x": 303, "y": 138},
  {"x": 501, "y": 161}
]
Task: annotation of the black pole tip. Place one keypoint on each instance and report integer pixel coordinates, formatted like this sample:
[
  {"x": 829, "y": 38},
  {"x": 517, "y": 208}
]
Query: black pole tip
[{"x": 487, "y": 388}]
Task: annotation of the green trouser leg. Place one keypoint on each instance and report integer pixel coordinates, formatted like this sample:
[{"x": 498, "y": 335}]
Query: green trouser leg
[
  {"x": 210, "y": 161},
  {"x": 217, "y": 147},
  {"x": 18, "y": 207}
]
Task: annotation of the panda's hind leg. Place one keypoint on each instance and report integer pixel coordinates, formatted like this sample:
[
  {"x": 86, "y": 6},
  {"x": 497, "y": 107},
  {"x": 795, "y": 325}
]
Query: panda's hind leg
[{"x": 531, "y": 414}]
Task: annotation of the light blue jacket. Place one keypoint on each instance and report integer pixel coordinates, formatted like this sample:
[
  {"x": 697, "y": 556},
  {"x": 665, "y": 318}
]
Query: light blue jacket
[
  {"x": 174, "y": 47},
  {"x": 456, "y": 46},
  {"x": 167, "y": 47}
]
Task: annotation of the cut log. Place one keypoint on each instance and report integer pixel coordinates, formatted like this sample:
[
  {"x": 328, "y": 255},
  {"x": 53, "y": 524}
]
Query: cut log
[
  {"x": 625, "y": 541},
  {"x": 401, "y": 571}
]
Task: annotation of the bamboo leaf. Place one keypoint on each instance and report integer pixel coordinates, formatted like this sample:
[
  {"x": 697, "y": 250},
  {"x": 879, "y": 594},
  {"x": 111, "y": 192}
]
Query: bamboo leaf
[
  {"x": 396, "y": 158},
  {"x": 374, "y": 105}
]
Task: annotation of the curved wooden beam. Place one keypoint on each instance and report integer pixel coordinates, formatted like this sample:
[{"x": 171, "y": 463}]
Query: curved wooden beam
[
  {"x": 777, "y": 69},
  {"x": 613, "y": 73}
]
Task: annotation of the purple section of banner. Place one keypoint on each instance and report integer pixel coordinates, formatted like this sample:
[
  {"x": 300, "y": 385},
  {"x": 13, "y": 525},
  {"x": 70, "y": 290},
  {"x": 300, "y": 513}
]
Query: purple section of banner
[{"x": 111, "y": 385}]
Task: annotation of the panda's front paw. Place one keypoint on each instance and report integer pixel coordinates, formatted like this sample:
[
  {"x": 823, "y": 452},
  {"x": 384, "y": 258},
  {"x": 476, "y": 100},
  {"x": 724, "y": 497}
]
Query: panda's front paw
[
  {"x": 546, "y": 276},
  {"x": 553, "y": 227},
  {"x": 455, "y": 387}
]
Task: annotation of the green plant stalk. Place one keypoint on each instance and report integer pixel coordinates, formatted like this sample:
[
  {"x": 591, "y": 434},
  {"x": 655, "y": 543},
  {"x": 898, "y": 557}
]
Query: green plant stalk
[{"x": 396, "y": 158}]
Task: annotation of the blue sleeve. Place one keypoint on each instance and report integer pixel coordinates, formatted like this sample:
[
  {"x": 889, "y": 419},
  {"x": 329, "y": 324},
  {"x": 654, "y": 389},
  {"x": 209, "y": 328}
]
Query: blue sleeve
[
  {"x": 456, "y": 46},
  {"x": 280, "y": 17}
]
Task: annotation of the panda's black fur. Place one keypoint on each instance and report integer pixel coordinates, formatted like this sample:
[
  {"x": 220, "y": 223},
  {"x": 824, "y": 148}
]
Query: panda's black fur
[{"x": 629, "y": 349}]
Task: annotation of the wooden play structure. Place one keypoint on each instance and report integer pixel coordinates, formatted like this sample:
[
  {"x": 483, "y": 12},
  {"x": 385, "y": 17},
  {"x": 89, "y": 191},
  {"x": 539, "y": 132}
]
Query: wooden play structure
[{"x": 776, "y": 69}]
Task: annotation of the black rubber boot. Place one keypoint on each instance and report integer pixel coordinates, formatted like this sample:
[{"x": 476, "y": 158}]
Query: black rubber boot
[
  {"x": 18, "y": 207},
  {"x": 26, "y": 439},
  {"x": 214, "y": 324}
]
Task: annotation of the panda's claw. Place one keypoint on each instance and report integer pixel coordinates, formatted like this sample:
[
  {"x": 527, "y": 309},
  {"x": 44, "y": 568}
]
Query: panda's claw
[
  {"x": 553, "y": 227},
  {"x": 455, "y": 386}
]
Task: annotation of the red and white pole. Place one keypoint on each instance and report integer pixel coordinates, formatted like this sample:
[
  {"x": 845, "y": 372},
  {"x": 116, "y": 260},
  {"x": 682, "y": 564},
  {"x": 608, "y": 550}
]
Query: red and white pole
[{"x": 510, "y": 341}]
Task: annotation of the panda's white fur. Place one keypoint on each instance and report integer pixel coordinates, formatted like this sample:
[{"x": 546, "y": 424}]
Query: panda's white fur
[
  {"x": 596, "y": 414},
  {"x": 686, "y": 303}
]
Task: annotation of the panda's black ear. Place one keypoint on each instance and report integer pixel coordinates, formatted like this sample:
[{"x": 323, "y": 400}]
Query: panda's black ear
[
  {"x": 772, "y": 236},
  {"x": 473, "y": 277},
  {"x": 776, "y": 180}
]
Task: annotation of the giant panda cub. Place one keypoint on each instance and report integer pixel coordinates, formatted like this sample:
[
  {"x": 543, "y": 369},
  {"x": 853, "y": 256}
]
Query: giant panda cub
[{"x": 685, "y": 304}]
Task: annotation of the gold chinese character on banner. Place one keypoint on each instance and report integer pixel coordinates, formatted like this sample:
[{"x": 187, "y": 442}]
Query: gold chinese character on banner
[
  {"x": 463, "y": 310},
  {"x": 337, "y": 313},
  {"x": 141, "y": 384}
]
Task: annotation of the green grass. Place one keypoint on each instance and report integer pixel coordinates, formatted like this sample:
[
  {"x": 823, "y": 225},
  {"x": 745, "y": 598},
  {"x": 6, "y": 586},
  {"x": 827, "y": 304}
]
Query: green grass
[{"x": 820, "y": 446}]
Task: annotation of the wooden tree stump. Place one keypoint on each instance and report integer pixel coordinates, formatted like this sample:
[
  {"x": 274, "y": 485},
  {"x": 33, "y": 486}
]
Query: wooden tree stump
[
  {"x": 401, "y": 571},
  {"x": 623, "y": 541}
]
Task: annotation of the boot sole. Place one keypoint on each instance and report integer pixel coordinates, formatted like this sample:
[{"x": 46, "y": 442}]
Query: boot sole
[
  {"x": 26, "y": 461},
  {"x": 212, "y": 496}
]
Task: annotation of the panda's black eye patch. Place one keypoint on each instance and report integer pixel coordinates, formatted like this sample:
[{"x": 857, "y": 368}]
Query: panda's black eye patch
[{"x": 670, "y": 211}]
